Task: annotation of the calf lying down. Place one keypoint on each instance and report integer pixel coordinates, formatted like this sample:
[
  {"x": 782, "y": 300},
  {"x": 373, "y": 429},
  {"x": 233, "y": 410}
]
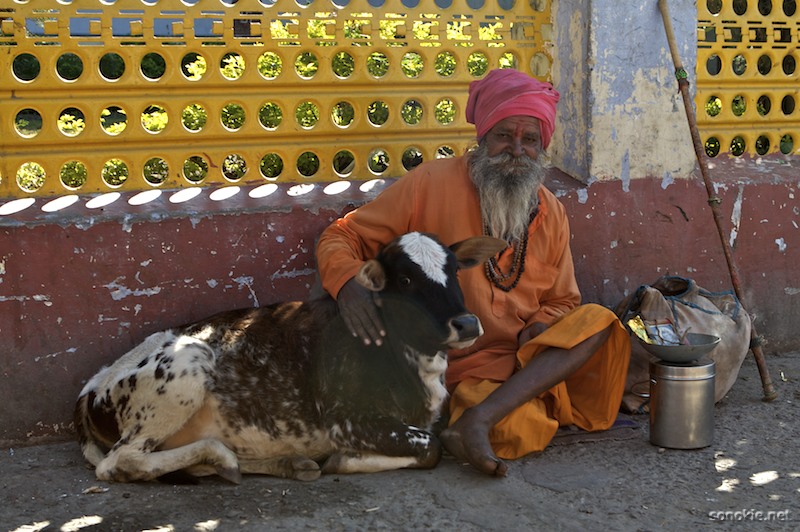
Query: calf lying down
[{"x": 286, "y": 390}]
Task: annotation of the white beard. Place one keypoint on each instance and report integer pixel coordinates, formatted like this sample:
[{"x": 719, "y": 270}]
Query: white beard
[{"x": 508, "y": 188}]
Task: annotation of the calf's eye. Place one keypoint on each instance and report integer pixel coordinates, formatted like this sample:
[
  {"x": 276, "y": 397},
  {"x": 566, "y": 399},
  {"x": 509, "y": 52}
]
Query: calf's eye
[{"x": 404, "y": 280}]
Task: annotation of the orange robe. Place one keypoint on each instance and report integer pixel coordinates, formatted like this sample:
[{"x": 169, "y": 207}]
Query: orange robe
[{"x": 439, "y": 197}]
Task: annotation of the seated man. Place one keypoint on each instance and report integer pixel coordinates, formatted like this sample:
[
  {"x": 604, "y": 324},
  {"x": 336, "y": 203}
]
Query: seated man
[{"x": 544, "y": 361}]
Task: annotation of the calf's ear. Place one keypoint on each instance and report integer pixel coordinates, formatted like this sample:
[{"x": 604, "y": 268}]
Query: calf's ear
[
  {"x": 372, "y": 276},
  {"x": 477, "y": 250}
]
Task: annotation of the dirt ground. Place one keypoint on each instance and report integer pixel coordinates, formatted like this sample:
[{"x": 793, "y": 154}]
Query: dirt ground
[{"x": 749, "y": 477}]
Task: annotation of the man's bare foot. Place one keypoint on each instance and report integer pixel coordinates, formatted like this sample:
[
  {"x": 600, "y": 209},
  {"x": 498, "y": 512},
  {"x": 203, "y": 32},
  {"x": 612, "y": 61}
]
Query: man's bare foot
[{"x": 468, "y": 440}]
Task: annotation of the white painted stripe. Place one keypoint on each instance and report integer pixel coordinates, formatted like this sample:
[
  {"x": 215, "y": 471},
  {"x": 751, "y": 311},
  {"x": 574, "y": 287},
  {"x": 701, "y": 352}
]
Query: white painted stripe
[{"x": 427, "y": 254}]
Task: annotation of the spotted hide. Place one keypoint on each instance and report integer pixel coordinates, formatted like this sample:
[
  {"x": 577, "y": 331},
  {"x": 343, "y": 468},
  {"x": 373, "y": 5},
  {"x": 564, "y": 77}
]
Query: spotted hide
[{"x": 285, "y": 390}]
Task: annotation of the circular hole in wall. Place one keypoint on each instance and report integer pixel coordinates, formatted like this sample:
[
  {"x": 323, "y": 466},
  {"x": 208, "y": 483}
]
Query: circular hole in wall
[
  {"x": 411, "y": 112},
  {"x": 269, "y": 65},
  {"x": 343, "y": 163},
  {"x": 111, "y": 66},
  {"x": 763, "y": 105},
  {"x": 377, "y": 64},
  {"x": 343, "y": 65},
  {"x": 193, "y": 66},
  {"x": 764, "y": 65},
  {"x": 30, "y": 176},
  {"x": 232, "y": 116},
  {"x": 71, "y": 122},
  {"x": 739, "y": 64},
  {"x": 712, "y": 146},
  {"x": 307, "y": 114},
  {"x": 271, "y": 165},
  {"x": 153, "y": 66},
  {"x": 194, "y": 117},
  {"x": 115, "y": 172},
  {"x": 738, "y": 105},
  {"x": 306, "y": 65},
  {"x": 713, "y": 106},
  {"x": 477, "y": 64},
  {"x": 73, "y": 174},
  {"x": 154, "y": 119},
  {"x": 234, "y": 167},
  {"x": 738, "y": 146},
  {"x": 762, "y": 145},
  {"x": 113, "y": 120},
  {"x": 445, "y": 111},
  {"x": 411, "y": 64},
  {"x": 343, "y": 114},
  {"x": 714, "y": 65},
  {"x": 69, "y": 66},
  {"x": 378, "y": 161},
  {"x": 155, "y": 171},
  {"x": 787, "y": 104},
  {"x": 378, "y": 113},
  {"x": 195, "y": 168},
  {"x": 28, "y": 122},
  {"x": 787, "y": 144},
  {"x": 307, "y": 164},
  {"x": 445, "y": 64},
  {"x": 26, "y": 67},
  {"x": 714, "y": 6},
  {"x": 270, "y": 115},
  {"x": 231, "y": 66},
  {"x": 412, "y": 157}
]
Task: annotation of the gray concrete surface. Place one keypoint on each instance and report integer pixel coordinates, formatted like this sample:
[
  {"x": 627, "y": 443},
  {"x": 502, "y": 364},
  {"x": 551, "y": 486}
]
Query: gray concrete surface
[{"x": 748, "y": 478}]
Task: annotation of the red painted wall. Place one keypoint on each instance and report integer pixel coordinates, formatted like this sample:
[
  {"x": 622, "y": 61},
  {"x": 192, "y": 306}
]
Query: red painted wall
[{"x": 79, "y": 287}]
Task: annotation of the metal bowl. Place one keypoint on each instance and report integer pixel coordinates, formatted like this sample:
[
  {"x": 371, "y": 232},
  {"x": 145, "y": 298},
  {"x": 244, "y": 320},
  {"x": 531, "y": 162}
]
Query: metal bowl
[{"x": 699, "y": 345}]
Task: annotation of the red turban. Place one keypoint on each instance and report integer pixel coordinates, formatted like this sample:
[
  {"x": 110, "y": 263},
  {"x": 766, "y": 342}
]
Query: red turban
[{"x": 508, "y": 92}]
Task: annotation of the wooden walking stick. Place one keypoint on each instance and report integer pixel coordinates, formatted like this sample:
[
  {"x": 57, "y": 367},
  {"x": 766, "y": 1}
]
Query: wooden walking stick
[{"x": 713, "y": 200}]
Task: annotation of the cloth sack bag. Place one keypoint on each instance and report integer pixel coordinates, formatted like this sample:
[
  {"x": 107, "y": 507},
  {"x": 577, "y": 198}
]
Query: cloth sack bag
[{"x": 692, "y": 308}]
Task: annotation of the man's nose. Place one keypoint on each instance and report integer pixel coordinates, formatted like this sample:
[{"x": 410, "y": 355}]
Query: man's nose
[{"x": 516, "y": 147}]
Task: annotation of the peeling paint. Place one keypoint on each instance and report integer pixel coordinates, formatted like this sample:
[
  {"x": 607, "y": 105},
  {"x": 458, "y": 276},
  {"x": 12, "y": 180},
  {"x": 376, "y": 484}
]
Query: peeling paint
[
  {"x": 583, "y": 195},
  {"x": 119, "y": 291},
  {"x": 248, "y": 282},
  {"x": 36, "y": 297},
  {"x": 666, "y": 180},
  {"x": 212, "y": 283},
  {"x": 791, "y": 291},
  {"x": 293, "y": 273},
  {"x": 736, "y": 217},
  {"x": 625, "y": 172},
  {"x": 56, "y": 354},
  {"x": 280, "y": 239},
  {"x": 781, "y": 244}
]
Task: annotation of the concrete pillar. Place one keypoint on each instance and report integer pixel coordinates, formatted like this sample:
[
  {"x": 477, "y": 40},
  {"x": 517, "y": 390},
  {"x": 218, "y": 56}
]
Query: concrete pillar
[{"x": 621, "y": 116}]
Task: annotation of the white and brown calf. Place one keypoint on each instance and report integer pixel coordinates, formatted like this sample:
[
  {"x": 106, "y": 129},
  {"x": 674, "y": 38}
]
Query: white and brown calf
[{"x": 286, "y": 390}]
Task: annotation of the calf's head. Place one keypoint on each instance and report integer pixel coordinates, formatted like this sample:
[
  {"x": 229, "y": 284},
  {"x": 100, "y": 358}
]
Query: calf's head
[{"x": 414, "y": 278}]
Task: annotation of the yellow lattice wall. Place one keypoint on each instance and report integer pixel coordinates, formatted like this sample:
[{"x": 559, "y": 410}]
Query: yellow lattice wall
[
  {"x": 748, "y": 84},
  {"x": 131, "y": 94}
]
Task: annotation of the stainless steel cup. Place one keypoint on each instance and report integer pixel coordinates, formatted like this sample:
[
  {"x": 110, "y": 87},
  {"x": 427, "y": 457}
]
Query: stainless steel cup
[{"x": 682, "y": 404}]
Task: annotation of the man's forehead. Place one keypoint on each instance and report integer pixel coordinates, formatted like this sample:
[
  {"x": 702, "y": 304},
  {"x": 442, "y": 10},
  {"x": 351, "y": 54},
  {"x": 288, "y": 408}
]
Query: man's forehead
[{"x": 521, "y": 122}]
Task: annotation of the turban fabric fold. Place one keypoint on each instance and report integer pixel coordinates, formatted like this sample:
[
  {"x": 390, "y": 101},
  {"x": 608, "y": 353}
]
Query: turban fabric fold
[{"x": 508, "y": 92}]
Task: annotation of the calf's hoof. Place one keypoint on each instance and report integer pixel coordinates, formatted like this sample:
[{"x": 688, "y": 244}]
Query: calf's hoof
[
  {"x": 231, "y": 474},
  {"x": 305, "y": 469}
]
